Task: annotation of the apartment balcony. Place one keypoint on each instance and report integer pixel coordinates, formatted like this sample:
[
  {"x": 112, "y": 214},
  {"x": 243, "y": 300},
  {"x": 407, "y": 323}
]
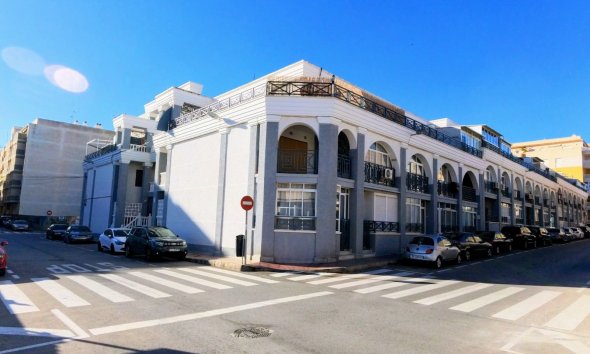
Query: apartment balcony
[
  {"x": 415, "y": 227},
  {"x": 506, "y": 192},
  {"x": 297, "y": 161},
  {"x": 140, "y": 148},
  {"x": 469, "y": 194},
  {"x": 306, "y": 223},
  {"x": 381, "y": 226},
  {"x": 448, "y": 189},
  {"x": 417, "y": 183},
  {"x": 528, "y": 198},
  {"x": 344, "y": 167},
  {"x": 491, "y": 187},
  {"x": 517, "y": 195},
  {"x": 379, "y": 174}
]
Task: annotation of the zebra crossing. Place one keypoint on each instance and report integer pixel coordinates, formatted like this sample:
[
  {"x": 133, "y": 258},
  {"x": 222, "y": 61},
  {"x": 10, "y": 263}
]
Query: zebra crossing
[
  {"x": 555, "y": 309},
  {"x": 86, "y": 289}
]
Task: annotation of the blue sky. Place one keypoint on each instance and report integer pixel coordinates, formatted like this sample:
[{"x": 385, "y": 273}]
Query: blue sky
[{"x": 522, "y": 67}]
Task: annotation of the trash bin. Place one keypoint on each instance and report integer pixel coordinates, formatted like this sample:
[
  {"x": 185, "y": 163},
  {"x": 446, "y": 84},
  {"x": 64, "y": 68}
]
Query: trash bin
[{"x": 240, "y": 246}]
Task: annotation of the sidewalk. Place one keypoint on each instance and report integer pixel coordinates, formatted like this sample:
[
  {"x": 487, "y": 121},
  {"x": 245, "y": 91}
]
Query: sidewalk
[{"x": 254, "y": 265}]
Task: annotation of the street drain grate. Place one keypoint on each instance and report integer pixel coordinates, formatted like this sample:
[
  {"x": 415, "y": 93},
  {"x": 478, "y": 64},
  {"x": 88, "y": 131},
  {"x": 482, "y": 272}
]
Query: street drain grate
[{"x": 252, "y": 332}]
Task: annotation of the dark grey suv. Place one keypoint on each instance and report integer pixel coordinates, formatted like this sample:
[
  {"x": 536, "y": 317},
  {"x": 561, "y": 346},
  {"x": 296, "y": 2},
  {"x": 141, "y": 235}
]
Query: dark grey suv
[
  {"x": 154, "y": 242},
  {"x": 521, "y": 236}
]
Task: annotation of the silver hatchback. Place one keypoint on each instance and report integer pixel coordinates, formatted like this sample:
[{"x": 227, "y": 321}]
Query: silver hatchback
[{"x": 432, "y": 248}]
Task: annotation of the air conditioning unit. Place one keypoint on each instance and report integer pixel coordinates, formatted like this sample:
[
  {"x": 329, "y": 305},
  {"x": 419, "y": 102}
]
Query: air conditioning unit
[{"x": 388, "y": 173}]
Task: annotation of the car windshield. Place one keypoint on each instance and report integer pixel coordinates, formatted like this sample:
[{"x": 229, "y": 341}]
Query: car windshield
[
  {"x": 420, "y": 240},
  {"x": 80, "y": 228},
  {"x": 160, "y": 232},
  {"x": 20, "y": 222},
  {"x": 60, "y": 227},
  {"x": 120, "y": 232}
]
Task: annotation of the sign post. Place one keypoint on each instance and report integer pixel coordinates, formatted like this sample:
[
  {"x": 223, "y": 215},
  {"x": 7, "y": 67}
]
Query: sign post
[{"x": 246, "y": 203}]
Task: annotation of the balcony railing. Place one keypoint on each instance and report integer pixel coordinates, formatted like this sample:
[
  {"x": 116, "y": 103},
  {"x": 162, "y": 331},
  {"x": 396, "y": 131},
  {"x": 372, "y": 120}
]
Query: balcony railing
[
  {"x": 528, "y": 198},
  {"x": 519, "y": 221},
  {"x": 344, "y": 169},
  {"x": 295, "y": 223},
  {"x": 469, "y": 228},
  {"x": 504, "y": 219},
  {"x": 537, "y": 200},
  {"x": 379, "y": 174},
  {"x": 447, "y": 189},
  {"x": 491, "y": 187},
  {"x": 103, "y": 151},
  {"x": 417, "y": 183},
  {"x": 415, "y": 227},
  {"x": 297, "y": 161},
  {"x": 140, "y": 148},
  {"x": 381, "y": 226},
  {"x": 506, "y": 192},
  {"x": 449, "y": 228},
  {"x": 517, "y": 195},
  {"x": 469, "y": 194}
]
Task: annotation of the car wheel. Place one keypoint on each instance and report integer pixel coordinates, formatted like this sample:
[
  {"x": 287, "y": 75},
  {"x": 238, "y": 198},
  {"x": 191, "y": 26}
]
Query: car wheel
[
  {"x": 148, "y": 254},
  {"x": 99, "y": 246},
  {"x": 47, "y": 236},
  {"x": 526, "y": 245},
  {"x": 2, "y": 271},
  {"x": 181, "y": 257},
  {"x": 509, "y": 248},
  {"x": 112, "y": 249},
  {"x": 497, "y": 249},
  {"x": 535, "y": 244},
  {"x": 467, "y": 255},
  {"x": 128, "y": 252},
  {"x": 459, "y": 259},
  {"x": 438, "y": 263},
  {"x": 489, "y": 254}
]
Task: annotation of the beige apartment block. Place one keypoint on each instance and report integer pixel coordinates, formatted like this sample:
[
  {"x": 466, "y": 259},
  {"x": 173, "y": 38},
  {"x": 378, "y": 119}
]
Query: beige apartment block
[
  {"x": 41, "y": 171},
  {"x": 569, "y": 156}
]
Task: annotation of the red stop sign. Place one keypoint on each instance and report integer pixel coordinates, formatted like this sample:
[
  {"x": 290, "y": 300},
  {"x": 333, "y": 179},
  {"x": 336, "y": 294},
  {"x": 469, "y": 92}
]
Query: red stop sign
[{"x": 247, "y": 202}]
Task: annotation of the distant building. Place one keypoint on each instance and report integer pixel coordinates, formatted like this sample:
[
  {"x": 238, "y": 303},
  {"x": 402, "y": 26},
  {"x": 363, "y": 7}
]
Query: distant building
[{"x": 41, "y": 168}]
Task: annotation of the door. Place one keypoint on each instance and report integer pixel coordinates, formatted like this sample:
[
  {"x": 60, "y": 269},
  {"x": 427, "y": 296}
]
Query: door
[{"x": 292, "y": 156}]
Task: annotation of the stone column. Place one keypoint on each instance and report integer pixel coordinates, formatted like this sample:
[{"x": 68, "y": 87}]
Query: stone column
[
  {"x": 252, "y": 170},
  {"x": 126, "y": 138},
  {"x": 512, "y": 211},
  {"x": 114, "y": 190},
  {"x": 460, "y": 198},
  {"x": 145, "y": 187},
  {"x": 83, "y": 204},
  {"x": 357, "y": 197},
  {"x": 433, "y": 226},
  {"x": 403, "y": 191},
  {"x": 266, "y": 187},
  {"x": 156, "y": 191},
  {"x": 499, "y": 198},
  {"x": 121, "y": 193},
  {"x": 326, "y": 245},
  {"x": 481, "y": 208}
]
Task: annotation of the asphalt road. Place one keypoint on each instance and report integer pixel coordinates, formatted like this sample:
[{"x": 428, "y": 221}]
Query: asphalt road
[{"x": 73, "y": 299}]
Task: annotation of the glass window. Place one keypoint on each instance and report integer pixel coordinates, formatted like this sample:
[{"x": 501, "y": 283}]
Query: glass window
[
  {"x": 378, "y": 155},
  {"x": 296, "y": 206},
  {"x": 415, "y": 166}
]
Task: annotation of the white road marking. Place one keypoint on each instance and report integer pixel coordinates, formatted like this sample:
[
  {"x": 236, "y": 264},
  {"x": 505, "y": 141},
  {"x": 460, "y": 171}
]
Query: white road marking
[
  {"x": 372, "y": 289},
  {"x": 572, "y": 316},
  {"x": 14, "y": 276},
  {"x": 309, "y": 276},
  {"x": 352, "y": 276},
  {"x": 80, "y": 333},
  {"x": 98, "y": 269},
  {"x": 60, "y": 293},
  {"x": 9, "y": 271},
  {"x": 146, "y": 290},
  {"x": 165, "y": 282},
  {"x": 14, "y": 299},
  {"x": 99, "y": 289},
  {"x": 205, "y": 314},
  {"x": 487, "y": 299},
  {"x": 37, "y": 332},
  {"x": 218, "y": 276},
  {"x": 193, "y": 279},
  {"x": 285, "y": 274},
  {"x": 524, "y": 307},
  {"x": 240, "y": 275},
  {"x": 371, "y": 280},
  {"x": 452, "y": 294},
  {"x": 420, "y": 289}
]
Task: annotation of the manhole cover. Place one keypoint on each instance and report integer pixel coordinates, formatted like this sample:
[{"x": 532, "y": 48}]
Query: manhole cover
[{"x": 252, "y": 332}]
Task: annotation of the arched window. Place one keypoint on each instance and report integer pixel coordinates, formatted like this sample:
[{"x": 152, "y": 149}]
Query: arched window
[
  {"x": 378, "y": 155},
  {"x": 416, "y": 167}
]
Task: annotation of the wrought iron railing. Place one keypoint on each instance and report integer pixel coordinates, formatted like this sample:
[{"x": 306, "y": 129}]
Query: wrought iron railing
[
  {"x": 504, "y": 219},
  {"x": 140, "y": 148},
  {"x": 447, "y": 189},
  {"x": 469, "y": 194},
  {"x": 344, "y": 167},
  {"x": 415, "y": 227},
  {"x": 295, "y": 223},
  {"x": 517, "y": 195},
  {"x": 491, "y": 187},
  {"x": 469, "y": 228},
  {"x": 381, "y": 226},
  {"x": 506, "y": 192},
  {"x": 378, "y": 174},
  {"x": 417, "y": 183},
  {"x": 449, "y": 228},
  {"x": 519, "y": 221},
  {"x": 528, "y": 198},
  {"x": 297, "y": 161},
  {"x": 103, "y": 151},
  {"x": 537, "y": 200}
]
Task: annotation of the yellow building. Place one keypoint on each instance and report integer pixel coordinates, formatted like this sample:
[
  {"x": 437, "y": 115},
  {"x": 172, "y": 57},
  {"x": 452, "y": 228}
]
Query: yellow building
[{"x": 569, "y": 156}]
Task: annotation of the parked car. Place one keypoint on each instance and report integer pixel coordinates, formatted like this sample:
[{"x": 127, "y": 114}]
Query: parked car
[
  {"x": 558, "y": 235},
  {"x": 521, "y": 236},
  {"x": 541, "y": 235},
  {"x": 3, "y": 257},
  {"x": 19, "y": 225},
  {"x": 5, "y": 220},
  {"x": 470, "y": 245},
  {"x": 569, "y": 234},
  {"x": 435, "y": 249},
  {"x": 577, "y": 233},
  {"x": 154, "y": 242},
  {"x": 55, "y": 231},
  {"x": 499, "y": 242},
  {"x": 113, "y": 240},
  {"x": 586, "y": 230},
  {"x": 77, "y": 233}
]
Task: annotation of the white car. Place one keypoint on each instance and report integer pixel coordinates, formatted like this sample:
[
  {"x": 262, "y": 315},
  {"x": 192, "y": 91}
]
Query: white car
[
  {"x": 435, "y": 249},
  {"x": 113, "y": 240},
  {"x": 577, "y": 233}
]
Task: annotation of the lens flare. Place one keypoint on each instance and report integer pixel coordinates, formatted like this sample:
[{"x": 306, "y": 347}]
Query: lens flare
[
  {"x": 66, "y": 78},
  {"x": 23, "y": 60}
]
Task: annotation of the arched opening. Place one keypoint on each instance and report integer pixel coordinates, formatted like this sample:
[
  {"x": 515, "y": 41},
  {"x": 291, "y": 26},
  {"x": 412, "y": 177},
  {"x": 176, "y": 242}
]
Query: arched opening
[
  {"x": 469, "y": 212},
  {"x": 447, "y": 181},
  {"x": 417, "y": 174},
  {"x": 344, "y": 165},
  {"x": 298, "y": 151},
  {"x": 505, "y": 186},
  {"x": 491, "y": 180},
  {"x": 379, "y": 165}
]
